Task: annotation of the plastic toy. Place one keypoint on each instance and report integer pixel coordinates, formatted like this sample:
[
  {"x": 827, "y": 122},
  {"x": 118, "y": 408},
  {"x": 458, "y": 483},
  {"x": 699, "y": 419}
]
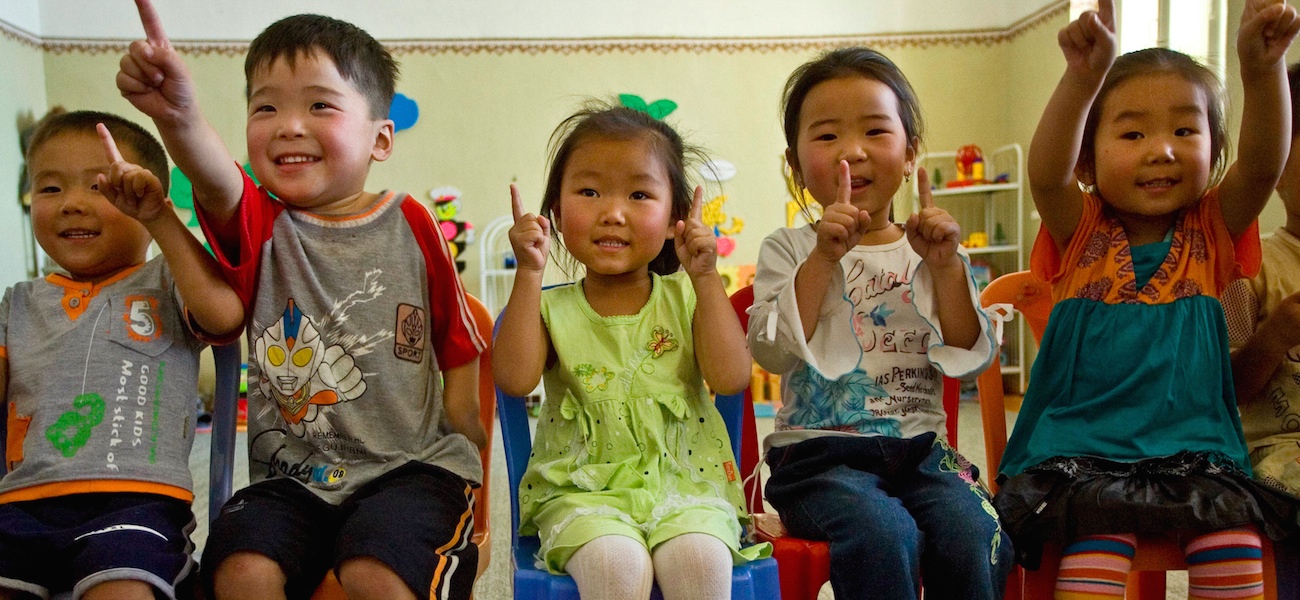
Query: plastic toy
[
  {"x": 977, "y": 239},
  {"x": 970, "y": 166}
]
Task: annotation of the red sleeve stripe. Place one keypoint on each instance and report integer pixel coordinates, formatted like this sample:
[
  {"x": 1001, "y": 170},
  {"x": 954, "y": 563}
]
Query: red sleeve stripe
[{"x": 436, "y": 253}]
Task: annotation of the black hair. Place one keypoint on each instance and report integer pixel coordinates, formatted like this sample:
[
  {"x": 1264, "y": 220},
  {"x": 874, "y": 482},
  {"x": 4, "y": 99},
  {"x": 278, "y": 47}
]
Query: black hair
[
  {"x": 126, "y": 134},
  {"x": 359, "y": 58},
  {"x": 1151, "y": 61},
  {"x": 599, "y": 120}
]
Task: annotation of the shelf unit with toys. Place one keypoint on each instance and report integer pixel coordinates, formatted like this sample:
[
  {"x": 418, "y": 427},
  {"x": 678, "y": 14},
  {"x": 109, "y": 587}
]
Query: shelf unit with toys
[{"x": 991, "y": 211}]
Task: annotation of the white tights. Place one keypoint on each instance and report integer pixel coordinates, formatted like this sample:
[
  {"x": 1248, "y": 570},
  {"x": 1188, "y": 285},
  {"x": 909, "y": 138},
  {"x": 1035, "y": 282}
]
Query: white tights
[{"x": 693, "y": 566}]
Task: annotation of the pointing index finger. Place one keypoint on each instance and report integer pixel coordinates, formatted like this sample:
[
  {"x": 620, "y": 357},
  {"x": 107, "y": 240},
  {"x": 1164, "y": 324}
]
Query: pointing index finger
[
  {"x": 110, "y": 147},
  {"x": 516, "y": 204},
  {"x": 846, "y": 184},
  {"x": 1106, "y": 12},
  {"x": 923, "y": 188},
  {"x": 153, "y": 28},
  {"x": 697, "y": 204}
]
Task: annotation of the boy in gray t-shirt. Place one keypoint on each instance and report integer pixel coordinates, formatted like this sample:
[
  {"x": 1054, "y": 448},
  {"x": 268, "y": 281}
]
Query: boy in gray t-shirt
[
  {"x": 98, "y": 369},
  {"x": 363, "y": 422}
]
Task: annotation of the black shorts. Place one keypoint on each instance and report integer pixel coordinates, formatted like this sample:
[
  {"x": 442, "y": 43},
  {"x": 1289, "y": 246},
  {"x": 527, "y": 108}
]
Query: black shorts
[
  {"x": 75, "y": 542},
  {"x": 417, "y": 519}
]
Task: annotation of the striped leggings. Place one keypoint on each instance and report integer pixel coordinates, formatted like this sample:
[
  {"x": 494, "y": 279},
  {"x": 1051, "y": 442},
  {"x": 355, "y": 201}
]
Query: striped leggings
[{"x": 1222, "y": 564}]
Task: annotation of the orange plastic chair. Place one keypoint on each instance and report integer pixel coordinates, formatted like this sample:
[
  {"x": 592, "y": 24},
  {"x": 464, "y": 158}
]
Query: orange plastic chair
[
  {"x": 804, "y": 565},
  {"x": 1032, "y": 298},
  {"x": 330, "y": 588}
]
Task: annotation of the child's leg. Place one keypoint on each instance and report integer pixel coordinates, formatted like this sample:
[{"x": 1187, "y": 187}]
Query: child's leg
[
  {"x": 611, "y": 567},
  {"x": 967, "y": 554},
  {"x": 407, "y": 534},
  {"x": 273, "y": 539},
  {"x": 693, "y": 565},
  {"x": 120, "y": 590},
  {"x": 1095, "y": 567},
  {"x": 1225, "y": 564},
  {"x": 874, "y": 542}
]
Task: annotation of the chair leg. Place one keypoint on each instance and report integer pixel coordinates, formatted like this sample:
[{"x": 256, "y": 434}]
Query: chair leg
[
  {"x": 1146, "y": 585},
  {"x": 1270, "y": 568},
  {"x": 1015, "y": 584},
  {"x": 1040, "y": 584}
]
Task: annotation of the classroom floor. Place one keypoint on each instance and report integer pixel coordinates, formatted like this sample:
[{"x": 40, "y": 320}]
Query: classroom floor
[{"x": 495, "y": 584}]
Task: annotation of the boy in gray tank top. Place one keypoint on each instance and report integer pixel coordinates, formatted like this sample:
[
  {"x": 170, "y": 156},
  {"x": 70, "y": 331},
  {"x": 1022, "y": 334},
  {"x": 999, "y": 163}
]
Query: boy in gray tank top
[
  {"x": 363, "y": 366},
  {"x": 98, "y": 368}
]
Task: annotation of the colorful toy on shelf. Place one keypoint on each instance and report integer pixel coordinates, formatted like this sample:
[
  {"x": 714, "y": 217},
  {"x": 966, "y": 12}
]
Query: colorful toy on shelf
[
  {"x": 459, "y": 234},
  {"x": 977, "y": 239},
  {"x": 713, "y": 216},
  {"x": 970, "y": 167}
]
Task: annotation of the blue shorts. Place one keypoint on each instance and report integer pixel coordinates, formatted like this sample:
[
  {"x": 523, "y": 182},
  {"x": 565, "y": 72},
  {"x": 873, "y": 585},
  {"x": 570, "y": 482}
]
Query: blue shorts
[
  {"x": 417, "y": 519},
  {"x": 73, "y": 543}
]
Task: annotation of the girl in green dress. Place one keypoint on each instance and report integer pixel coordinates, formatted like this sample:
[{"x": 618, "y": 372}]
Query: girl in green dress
[{"x": 631, "y": 473}]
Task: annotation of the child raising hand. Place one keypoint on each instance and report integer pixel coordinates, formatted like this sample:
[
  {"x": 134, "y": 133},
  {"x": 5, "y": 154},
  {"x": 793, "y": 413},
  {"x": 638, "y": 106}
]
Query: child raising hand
[{"x": 1130, "y": 424}]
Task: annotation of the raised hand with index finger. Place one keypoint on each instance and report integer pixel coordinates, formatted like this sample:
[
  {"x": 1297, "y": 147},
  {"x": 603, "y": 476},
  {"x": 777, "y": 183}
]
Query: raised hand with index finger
[
  {"x": 933, "y": 233},
  {"x": 842, "y": 224},
  {"x": 152, "y": 75},
  {"x": 530, "y": 236},
  {"x": 1089, "y": 41},
  {"x": 1266, "y": 31},
  {"x": 132, "y": 189},
  {"x": 696, "y": 246}
]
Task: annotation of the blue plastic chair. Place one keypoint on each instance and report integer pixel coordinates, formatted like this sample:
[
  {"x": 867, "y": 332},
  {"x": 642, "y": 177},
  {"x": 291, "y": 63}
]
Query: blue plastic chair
[
  {"x": 752, "y": 581},
  {"x": 225, "y": 407}
]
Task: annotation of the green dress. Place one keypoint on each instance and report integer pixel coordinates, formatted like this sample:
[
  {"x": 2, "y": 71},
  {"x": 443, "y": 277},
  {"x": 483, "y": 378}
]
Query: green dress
[{"x": 628, "y": 441}]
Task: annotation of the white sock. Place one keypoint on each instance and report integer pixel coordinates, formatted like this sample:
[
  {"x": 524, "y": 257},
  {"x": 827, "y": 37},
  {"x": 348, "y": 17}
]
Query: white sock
[
  {"x": 611, "y": 567},
  {"x": 695, "y": 566}
]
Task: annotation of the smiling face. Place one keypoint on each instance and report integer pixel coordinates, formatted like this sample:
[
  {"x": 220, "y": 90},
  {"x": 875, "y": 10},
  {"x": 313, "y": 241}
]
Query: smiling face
[
  {"x": 74, "y": 224},
  {"x": 310, "y": 135},
  {"x": 615, "y": 206},
  {"x": 1152, "y": 148},
  {"x": 854, "y": 119}
]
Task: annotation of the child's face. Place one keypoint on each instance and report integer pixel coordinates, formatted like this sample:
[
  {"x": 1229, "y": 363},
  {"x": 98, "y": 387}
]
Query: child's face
[
  {"x": 615, "y": 206},
  {"x": 1153, "y": 153},
  {"x": 854, "y": 119},
  {"x": 310, "y": 135},
  {"x": 77, "y": 226}
]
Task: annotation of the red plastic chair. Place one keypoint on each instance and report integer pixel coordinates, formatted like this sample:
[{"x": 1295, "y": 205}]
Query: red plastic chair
[
  {"x": 804, "y": 565},
  {"x": 1155, "y": 554}
]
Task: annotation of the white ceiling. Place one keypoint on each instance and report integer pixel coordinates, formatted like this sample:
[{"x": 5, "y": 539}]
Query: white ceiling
[{"x": 241, "y": 20}]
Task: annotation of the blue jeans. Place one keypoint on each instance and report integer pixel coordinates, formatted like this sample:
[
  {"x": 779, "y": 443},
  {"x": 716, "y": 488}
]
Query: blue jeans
[{"x": 891, "y": 508}]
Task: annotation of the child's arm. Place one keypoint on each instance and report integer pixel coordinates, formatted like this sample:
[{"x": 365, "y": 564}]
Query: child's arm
[
  {"x": 460, "y": 400},
  {"x": 933, "y": 234},
  {"x": 156, "y": 81},
  {"x": 522, "y": 344},
  {"x": 841, "y": 227},
  {"x": 1256, "y": 361},
  {"x": 138, "y": 193},
  {"x": 1266, "y": 32},
  {"x": 720, "y": 346},
  {"x": 1089, "y": 47}
]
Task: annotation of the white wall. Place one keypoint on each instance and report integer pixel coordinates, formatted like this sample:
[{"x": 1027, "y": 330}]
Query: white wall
[{"x": 22, "y": 69}]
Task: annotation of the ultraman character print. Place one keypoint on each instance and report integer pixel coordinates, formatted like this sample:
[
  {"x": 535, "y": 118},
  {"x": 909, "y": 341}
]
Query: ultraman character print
[{"x": 300, "y": 371}]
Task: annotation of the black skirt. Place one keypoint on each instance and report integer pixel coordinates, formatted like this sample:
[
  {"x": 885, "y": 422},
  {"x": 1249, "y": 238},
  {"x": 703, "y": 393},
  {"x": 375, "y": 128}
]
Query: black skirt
[{"x": 1064, "y": 498}]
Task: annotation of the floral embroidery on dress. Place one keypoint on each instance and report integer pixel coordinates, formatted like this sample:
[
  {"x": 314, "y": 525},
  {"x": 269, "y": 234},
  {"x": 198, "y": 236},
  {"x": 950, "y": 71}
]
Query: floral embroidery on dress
[
  {"x": 663, "y": 342},
  {"x": 1095, "y": 290},
  {"x": 1197, "y": 248},
  {"x": 594, "y": 378},
  {"x": 1096, "y": 248},
  {"x": 1187, "y": 288}
]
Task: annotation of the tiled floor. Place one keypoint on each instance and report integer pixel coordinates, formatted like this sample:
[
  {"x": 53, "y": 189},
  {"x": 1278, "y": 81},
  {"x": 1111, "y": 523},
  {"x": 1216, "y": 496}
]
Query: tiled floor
[{"x": 495, "y": 583}]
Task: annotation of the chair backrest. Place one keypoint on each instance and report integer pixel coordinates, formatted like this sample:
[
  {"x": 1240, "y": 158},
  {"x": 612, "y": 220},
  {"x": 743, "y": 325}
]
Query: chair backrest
[
  {"x": 1032, "y": 298},
  {"x": 516, "y": 438},
  {"x": 228, "y": 367}
]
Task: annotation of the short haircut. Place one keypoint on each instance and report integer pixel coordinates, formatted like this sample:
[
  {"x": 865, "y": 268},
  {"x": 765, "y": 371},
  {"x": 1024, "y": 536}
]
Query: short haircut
[
  {"x": 359, "y": 58},
  {"x": 127, "y": 134}
]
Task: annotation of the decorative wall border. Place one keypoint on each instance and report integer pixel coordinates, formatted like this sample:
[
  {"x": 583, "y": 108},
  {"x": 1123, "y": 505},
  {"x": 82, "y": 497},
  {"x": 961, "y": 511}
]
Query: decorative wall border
[{"x": 983, "y": 37}]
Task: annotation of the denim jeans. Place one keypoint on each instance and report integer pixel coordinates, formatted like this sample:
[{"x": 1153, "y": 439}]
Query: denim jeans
[{"x": 892, "y": 509}]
